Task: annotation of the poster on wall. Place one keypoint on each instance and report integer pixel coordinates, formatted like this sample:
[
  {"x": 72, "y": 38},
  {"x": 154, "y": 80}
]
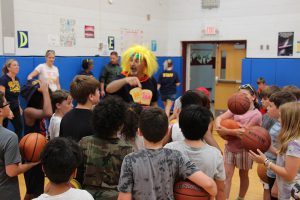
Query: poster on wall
[
  {"x": 298, "y": 46},
  {"x": 153, "y": 45},
  {"x": 23, "y": 41},
  {"x": 202, "y": 57},
  {"x": 111, "y": 43},
  {"x": 129, "y": 37},
  {"x": 67, "y": 32},
  {"x": 285, "y": 43},
  {"x": 89, "y": 31}
]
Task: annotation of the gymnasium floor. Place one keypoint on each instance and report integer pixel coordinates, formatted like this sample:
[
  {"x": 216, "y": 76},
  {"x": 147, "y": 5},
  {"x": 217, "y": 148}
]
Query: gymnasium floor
[{"x": 255, "y": 191}]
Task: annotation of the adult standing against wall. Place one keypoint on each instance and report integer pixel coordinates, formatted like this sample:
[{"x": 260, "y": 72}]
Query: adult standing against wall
[
  {"x": 110, "y": 72},
  {"x": 47, "y": 72},
  {"x": 135, "y": 83},
  {"x": 10, "y": 86},
  {"x": 167, "y": 82}
]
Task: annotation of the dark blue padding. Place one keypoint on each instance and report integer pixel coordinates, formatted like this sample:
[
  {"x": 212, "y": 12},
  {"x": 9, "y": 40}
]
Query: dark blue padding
[
  {"x": 287, "y": 72},
  {"x": 276, "y": 71},
  {"x": 246, "y": 71}
]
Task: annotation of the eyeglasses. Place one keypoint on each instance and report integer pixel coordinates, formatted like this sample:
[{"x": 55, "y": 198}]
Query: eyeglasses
[
  {"x": 247, "y": 86},
  {"x": 7, "y": 104}
]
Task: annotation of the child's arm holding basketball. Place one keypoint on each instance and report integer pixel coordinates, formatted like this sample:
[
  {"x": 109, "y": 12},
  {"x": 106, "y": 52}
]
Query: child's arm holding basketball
[
  {"x": 16, "y": 169},
  {"x": 288, "y": 172},
  {"x": 205, "y": 182},
  {"x": 225, "y": 131}
]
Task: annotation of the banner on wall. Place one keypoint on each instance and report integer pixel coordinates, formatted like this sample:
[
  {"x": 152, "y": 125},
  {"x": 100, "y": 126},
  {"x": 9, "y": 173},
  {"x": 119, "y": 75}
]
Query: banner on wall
[
  {"x": 23, "y": 41},
  {"x": 67, "y": 32},
  {"x": 89, "y": 31},
  {"x": 111, "y": 43},
  {"x": 153, "y": 45},
  {"x": 285, "y": 43}
]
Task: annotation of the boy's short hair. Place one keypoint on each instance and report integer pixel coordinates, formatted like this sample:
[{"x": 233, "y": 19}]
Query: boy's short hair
[
  {"x": 194, "y": 97},
  {"x": 60, "y": 158},
  {"x": 281, "y": 97},
  {"x": 293, "y": 89},
  {"x": 86, "y": 63},
  {"x": 194, "y": 121},
  {"x": 58, "y": 97},
  {"x": 153, "y": 124},
  {"x": 108, "y": 116},
  {"x": 1, "y": 99},
  {"x": 268, "y": 91},
  {"x": 260, "y": 80},
  {"x": 82, "y": 86},
  {"x": 114, "y": 53}
]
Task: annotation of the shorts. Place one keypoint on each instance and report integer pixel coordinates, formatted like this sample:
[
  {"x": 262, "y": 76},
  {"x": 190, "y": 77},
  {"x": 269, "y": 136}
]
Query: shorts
[
  {"x": 35, "y": 180},
  {"x": 240, "y": 160},
  {"x": 166, "y": 97}
]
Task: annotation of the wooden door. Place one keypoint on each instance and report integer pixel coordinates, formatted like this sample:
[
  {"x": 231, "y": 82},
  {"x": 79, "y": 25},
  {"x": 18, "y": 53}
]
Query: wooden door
[{"x": 228, "y": 72}]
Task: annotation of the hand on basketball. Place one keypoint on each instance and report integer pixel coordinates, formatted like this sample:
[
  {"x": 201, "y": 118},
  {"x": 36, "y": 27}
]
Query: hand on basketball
[
  {"x": 240, "y": 132},
  {"x": 133, "y": 81},
  {"x": 259, "y": 158}
]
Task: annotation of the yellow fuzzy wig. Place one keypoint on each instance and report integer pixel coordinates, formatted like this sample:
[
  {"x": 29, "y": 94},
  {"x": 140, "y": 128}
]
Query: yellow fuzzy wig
[{"x": 140, "y": 52}]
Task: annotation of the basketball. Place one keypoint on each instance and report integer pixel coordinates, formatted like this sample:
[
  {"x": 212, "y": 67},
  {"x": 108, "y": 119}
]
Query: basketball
[
  {"x": 187, "y": 190},
  {"x": 256, "y": 137},
  {"x": 31, "y": 146},
  {"x": 238, "y": 103},
  {"x": 230, "y": 124},
  {"x": 262, "y": 172}
]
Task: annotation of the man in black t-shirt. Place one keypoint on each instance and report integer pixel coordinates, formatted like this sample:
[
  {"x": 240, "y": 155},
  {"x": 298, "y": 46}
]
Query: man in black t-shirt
[{"x": 138, "y": 64}]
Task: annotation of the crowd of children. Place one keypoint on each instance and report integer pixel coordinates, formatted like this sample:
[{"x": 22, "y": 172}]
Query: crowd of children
[{"x": 119, "y": 145}]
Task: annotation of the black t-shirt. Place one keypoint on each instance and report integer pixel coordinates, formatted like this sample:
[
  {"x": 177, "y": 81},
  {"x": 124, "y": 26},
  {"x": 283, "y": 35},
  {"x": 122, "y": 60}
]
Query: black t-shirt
[
  {"x": 12, "y": 89},
  {"x": 147, "y": 83},
  {"x": 76, "y": 124},
  {"x": 168, "y": 79}
]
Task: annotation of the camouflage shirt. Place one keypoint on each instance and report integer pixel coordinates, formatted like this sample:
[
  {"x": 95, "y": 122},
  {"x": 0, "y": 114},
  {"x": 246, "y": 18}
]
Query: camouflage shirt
[{"x": 102, "y": 165}]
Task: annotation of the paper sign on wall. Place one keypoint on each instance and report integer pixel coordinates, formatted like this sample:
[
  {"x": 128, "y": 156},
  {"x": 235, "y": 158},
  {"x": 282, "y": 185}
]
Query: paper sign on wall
[
  {"x": 23, "y": 41},
  {"x": 111, "y": 43},
  {"x": 153, "y": 45}
]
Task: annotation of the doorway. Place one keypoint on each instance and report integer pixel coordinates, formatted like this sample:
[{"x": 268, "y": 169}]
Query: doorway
[{"x": 215, "y": 65}]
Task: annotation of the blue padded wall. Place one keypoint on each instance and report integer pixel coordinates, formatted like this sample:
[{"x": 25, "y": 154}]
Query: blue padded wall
[
  {"x": 69, "y": 67},
  {"x": 276, "y": 71}
]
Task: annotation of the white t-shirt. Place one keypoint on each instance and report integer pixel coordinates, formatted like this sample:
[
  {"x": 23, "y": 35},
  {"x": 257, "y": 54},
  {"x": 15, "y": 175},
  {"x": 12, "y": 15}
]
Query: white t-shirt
[
  {"x": 54, "y": 126},
  {"x": 74, "y": 194},
  {"x": 176, "y": 133},
  {"x": 49, "y": 75},
  {"x": 207, "y": 158}
]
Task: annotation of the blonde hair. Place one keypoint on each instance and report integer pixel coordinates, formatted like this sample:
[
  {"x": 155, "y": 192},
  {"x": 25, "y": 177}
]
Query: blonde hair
[
  {"x": 142, "y": 53},
  {"x": 290, "y": 124},
  {"x": 7, "y": 65}
]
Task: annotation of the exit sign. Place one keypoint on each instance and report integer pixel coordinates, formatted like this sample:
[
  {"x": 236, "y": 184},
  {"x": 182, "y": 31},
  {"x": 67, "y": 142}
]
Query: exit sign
[{"x": 210, "y": 30}]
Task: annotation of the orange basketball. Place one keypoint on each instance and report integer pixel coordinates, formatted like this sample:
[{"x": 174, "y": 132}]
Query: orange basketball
[
  {"x": 230, "y": 124},
  {"x": 31, "y": 146},
  {"x": 262, "y": 172},
  {"x": 187, "y": 190},
  {"x": 256, "y": 137},
  {"x": 238, "y": 103}
]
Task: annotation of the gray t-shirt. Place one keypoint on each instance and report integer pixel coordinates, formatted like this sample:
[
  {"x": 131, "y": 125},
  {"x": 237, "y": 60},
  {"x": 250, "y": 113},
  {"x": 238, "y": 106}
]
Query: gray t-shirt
[
  {"x": 274, "y": 132},
  {"x": 207, "y": 158},
  {"x": 284, "y": 187},
  {"x": 150, "y": 174},
  {"x": 9, "y": 154}
]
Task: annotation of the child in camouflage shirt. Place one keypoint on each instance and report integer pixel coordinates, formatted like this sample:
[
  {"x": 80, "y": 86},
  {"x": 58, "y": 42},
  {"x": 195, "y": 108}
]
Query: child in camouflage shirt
[{"x": 104, "y": 151}]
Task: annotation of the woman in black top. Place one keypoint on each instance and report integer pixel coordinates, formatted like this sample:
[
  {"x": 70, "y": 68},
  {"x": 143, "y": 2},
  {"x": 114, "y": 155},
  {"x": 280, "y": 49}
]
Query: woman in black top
[
  {"x": 87, "y": 66},
  {"x": 167, "y": 82},
  {"x": 10, "y": 86}
]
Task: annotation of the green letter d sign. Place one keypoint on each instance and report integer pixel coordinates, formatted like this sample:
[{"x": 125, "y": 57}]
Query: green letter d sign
[{"x": 23, "y": 39}]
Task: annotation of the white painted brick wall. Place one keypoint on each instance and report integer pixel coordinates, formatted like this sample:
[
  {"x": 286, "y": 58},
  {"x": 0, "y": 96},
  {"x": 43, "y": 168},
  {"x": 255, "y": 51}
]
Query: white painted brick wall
[{"x": 172, "y": 21}]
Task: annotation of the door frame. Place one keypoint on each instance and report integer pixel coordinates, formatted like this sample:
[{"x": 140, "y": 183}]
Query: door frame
[{"x": 185, "y": 50}]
